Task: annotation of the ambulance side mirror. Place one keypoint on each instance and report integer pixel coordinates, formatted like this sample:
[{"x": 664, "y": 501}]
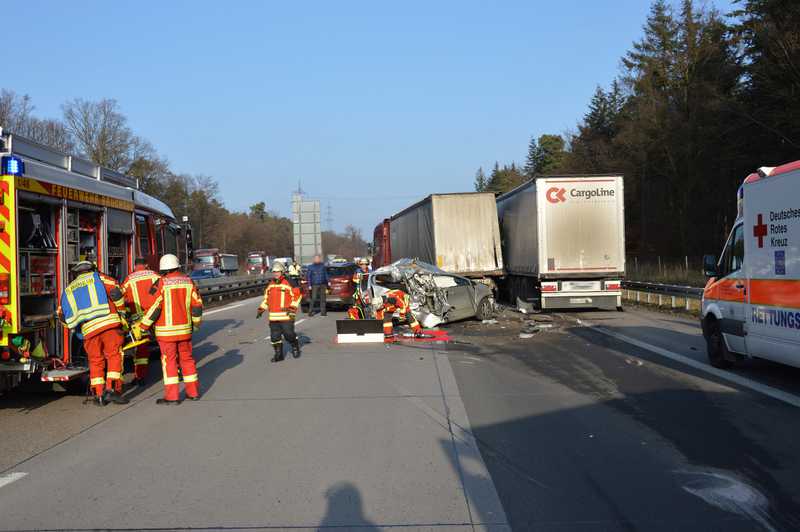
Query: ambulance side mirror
[{"x": 710, "y": 265}]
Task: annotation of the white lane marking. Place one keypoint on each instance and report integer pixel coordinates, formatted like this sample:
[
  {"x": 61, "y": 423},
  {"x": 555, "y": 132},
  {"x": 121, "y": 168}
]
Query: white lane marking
[
  {"x": 11, "y": 477},
  {"x": 754, "y": 386},
  {"x": 229, "y": 307}
]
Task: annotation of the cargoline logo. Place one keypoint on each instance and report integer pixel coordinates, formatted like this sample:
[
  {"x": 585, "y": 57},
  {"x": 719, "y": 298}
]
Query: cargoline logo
[
  {"x": 559, "y": 195},
  {"x": 556, "y": 195}
]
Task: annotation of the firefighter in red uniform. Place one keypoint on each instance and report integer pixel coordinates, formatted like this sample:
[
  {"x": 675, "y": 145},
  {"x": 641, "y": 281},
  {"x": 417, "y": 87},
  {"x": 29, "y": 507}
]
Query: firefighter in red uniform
[
  {"x": 281, "y": 300},
  {"x": 176, "y": 313},
  {"x": 94, "y": 302},
  {"x": 138, "y": 300},
  {"x": 396, "y": 301},
  {"x": 358, "y": 310}
]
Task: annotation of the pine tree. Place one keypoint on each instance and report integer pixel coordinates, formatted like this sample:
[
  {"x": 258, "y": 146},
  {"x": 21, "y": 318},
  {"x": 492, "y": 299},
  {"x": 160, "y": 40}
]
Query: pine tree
[
  {"x": 480, "y": 180},
  {"x": 551, "y": 148},
  {"x": 533, "y": 160}
]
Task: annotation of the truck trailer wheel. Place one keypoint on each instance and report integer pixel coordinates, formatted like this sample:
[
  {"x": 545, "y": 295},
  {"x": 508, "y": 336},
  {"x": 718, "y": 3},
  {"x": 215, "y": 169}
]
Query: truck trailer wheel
[
  {"x": 718, "y": 354},
  {"x": 485, "y": 309}
]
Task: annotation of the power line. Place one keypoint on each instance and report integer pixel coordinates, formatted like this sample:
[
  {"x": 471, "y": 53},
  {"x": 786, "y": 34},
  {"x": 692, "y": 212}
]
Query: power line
[{"x": 329, "y": 217}]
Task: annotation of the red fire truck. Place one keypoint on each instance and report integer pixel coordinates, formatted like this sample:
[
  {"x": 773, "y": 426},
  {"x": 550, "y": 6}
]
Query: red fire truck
[{"x": 56, "y": 210}]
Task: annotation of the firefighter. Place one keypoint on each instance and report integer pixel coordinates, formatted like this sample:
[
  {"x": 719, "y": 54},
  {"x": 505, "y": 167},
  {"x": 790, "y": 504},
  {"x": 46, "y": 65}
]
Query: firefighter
[
  {"x": 281, "y": 300},
  {"x": 138, "y": 300},
  {"x": 95, "y": 303},
  {"x": 294, "y": 272},
  {"x": 396, "y": 301},
  {"x": 176, "y": 313},
  {"x": 363, "y": 269},
  {"x": 357, "y": 312}
]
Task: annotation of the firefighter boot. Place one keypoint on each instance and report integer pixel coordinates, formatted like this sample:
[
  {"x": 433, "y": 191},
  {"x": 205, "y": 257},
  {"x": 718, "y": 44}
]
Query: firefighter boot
[
  {"x": 115, "y": 397},
  {"x": 296, "y": 349},
  {"x": 278, "y": 353}
]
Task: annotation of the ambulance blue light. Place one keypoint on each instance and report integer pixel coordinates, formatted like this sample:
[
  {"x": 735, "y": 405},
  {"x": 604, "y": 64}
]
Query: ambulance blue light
[{"x": 10, "y": 165}]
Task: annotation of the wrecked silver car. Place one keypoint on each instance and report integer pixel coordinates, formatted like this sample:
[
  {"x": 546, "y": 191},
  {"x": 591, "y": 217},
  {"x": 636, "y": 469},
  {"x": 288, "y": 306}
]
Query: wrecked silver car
[{"x": 436, "y": 296}]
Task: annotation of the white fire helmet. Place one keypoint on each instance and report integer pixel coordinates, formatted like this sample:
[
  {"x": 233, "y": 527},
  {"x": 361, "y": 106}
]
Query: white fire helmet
[{"x": 169, "y": 262}]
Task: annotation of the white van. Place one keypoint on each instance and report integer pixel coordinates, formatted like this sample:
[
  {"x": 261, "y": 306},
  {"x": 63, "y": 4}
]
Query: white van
[{"x": 751, "y": 303}]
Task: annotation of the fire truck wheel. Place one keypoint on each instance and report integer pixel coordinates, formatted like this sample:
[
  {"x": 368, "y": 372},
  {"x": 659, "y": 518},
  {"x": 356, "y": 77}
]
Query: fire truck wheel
[{"x": 718, "y": 354}]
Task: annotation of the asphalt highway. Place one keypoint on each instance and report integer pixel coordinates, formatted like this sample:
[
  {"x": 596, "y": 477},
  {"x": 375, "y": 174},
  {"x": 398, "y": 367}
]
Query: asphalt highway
[{"x": 601, "y": 421}]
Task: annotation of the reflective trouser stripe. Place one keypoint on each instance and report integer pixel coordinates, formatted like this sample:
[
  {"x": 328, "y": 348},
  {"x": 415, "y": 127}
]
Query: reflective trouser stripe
[
  {"x": 97, "y": 380},
  {"x": 176, "y": 358},
  {"x": 141, "y": 361}
]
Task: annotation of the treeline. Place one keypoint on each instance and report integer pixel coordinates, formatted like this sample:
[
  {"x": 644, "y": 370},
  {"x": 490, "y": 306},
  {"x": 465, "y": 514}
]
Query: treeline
[
  {"x": 349, "y": 244},
  {"x": 703, "y": 99},
  {"x": 99, "y": 131}
]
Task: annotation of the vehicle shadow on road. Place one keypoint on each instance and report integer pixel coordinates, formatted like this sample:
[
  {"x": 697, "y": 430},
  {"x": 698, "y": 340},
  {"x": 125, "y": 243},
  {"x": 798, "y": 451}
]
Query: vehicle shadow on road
[
  {"x": 724, "y": 480},
  {"x": 786, "y": 378},
  {"x": 726, "y": 458},
  {"x": 211, "y": 370},
  {"x": 345, "y": 509}
]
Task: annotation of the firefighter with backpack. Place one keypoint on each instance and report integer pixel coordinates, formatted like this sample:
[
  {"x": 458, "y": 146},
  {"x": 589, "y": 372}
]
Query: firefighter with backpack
[{"x": 94, "y": 305}]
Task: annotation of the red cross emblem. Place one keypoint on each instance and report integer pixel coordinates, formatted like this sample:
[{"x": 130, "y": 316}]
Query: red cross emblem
[{"x": 760, "y": 231}]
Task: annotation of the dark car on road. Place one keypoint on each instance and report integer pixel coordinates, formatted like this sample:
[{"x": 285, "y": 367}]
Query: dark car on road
[
  {"x": 206, "y": 273},
  {"x": 342, "y": 289}
]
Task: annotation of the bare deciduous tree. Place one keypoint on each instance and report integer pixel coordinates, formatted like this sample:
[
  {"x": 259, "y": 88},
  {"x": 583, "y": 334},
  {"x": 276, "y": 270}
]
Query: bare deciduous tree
[
  {"x": 15, "y": 110},
  {"x": 101, "y": 132},
  {"x": 48, "y": 132}
]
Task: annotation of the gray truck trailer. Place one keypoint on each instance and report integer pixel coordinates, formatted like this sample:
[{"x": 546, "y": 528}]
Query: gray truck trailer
[{"x": 458, "y": 233}]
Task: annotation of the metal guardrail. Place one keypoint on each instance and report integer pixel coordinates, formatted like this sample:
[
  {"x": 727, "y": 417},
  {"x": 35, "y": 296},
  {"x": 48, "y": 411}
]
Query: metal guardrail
[
  {"x": 225, "y": 287},
  {"x": 664, "y": 289},
  {"x": 663, "y": 295}
]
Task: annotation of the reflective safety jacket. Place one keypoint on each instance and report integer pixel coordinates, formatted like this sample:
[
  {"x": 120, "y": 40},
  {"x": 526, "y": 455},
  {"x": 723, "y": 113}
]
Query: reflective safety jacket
[
  {"x": 177, "y": 309},
  {"x": 280, "y": 299},
  {"x": 395, "y": 301},
  {"x": 93, "y": 302},
  {"x": 357, "y": 276},
  {"x": 138, "y": 298}
]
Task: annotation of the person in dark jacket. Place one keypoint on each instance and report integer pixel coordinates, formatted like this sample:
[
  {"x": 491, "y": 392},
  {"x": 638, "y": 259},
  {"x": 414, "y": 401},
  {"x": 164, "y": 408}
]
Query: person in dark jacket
[{"x": 318, "y": 283}]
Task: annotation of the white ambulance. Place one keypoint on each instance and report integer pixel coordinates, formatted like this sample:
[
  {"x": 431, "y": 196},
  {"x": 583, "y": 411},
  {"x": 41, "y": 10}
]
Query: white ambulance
[{"x": 751, "y": 303}]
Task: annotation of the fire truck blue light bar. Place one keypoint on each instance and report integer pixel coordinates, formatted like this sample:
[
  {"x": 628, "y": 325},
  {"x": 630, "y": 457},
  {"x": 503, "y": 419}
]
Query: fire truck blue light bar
[{"x": 10, "y": 165}]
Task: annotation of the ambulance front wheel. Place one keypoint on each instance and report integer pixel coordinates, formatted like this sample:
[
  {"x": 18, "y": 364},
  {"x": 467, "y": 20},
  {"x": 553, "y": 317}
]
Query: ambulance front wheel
[{"x": 718, "y": 354}]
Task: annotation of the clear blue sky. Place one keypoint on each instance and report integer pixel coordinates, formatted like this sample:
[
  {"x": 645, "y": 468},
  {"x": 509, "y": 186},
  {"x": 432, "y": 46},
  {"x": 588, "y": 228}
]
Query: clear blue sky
[{"x": 370, "y": 104}]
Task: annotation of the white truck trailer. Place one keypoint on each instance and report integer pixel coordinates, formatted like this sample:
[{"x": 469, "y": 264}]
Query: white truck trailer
[
  {"x": 564, "y": 241},
  {"x": 458, "y": 233}
]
